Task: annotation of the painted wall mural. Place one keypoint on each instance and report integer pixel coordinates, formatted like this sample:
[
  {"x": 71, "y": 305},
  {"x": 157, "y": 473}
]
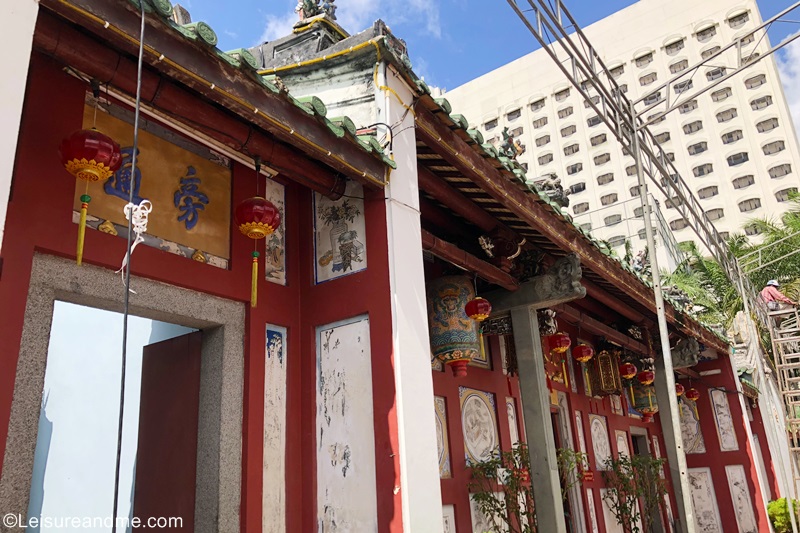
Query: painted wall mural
[
  {"x": 704, "y": 501},
  {"x": 340, "y": 234},
  {"x": 275, "y": 246},
  {"x": 592, "y": 512},
  {"x": 482, "y": 523},
  {"x": 740, "y": 496},
  {"x": 616, "y": 404},
  {"x": 722, "y": 415},
  {"x": 479, "y": 423},
  {"x": 581, "y": 437},
  {"x": 442, "y": 444},
  {"x": 188, "y": 185},
  {"x": 346, "y": 493},
  {"x": 274, "y": 475},
  {"x": 513, "y": 425},
  {"x": 690, "y": 429},
  {"x": 598, "y": 430},
  {"x": 448, "y": 519}
]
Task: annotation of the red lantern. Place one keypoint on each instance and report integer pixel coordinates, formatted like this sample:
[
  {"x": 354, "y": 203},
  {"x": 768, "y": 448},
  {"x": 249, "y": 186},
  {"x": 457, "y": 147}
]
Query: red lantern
[
  {"x": 646, "y": 377},
  {"x": 256, "y": 218},
  {"x": 679, "y": 390},
  {"x": 692, "y": 395},
  {"x": 583, "y": 353},
  {"x": 478, "y": 309},
  {"x": 627, "y": 370},
  {"x": 90, "y": 155},
  {"x": 559, "y": 342}
]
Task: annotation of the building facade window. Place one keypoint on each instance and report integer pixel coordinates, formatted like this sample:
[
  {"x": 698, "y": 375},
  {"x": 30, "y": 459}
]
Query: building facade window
[
  {"x": 662, "y": 137},
  {"x": 616, "y": 241},
  {"x": 751, "y": 204},
  {"x": 679, "y": 66},
  {"x": 490, "y": 125},
  {"x": 638, "y": 212},
  {"x": 785, "y": 194},
  {"x": 574, "y": 169},
  {"x": 755, "y": 81},
  {"x": 594, "y": 100},
  {"x": 715, "y": 73},
  {"x": 687, "y": 107},
  {"x": 562, "y": 95},
  {"x": 693, "y": 127},
  {"x": 577, "y": 187},
  {"x": 537, "y": 105},
  {"x": 732, "y": 136},
  {"x": 738, "y": 159},
  {"x": 617, "y": 71},
  {"x": 740, "y": 20},
  {"x": 727, "y": 115},
  {"x": 612, "y": 220},
  {"x": 516, "y": 132},
  {"x": 622, "y": 89},
  {"x": 540, "y": 122},
  {"x": 703, "y": 170},
  {"x": 705, "y": 54},
  {"x": 708, "y": 192},
  {"x": 644, "y": 60},
  {"x": 543, "y": 140},
  {"x": 721, "y": 94},
  {"x": 747, "y": 39},
  {"x": 572, "y": 149},
  {"x": 586, "y": 227},
  {"x": 682, "y": 86},
  {"x": 674, "y": 47},
  {"x": 752, "y": 229},
  {"x": 780, "y": 171},
  {"x": 630, "y": 170},
  {"x": 706, "y": 34},
  {"x": 656, "y": 118},
  {"x": 651, "y": 99},
  {"x": 767, "y": 125},
  {"x": 715, "y": 214},
  {"x": 593, "y": 121},
  {"x": 634, "y": 191},
  {"x": 599, "y": 139},
  {"x": 774, "y": 147},
  {"x": 608, "y": 199},
  {"x": 566, "y": 131},
  {"x": 606, "y": 178},
  {"x": 565, "y": 112},
  {"x": 761, "y": 103},
  {"x": 647, "y": 79},
  {"x": 602, "y": 159},
  {"x": 749, "y": 59},
  {"x": 642, "y": 234},
  {"x": 677, "y": 225},
  {"x": 514, "y": 115},
  {"x": 580, "y": 208},
  {"x": 698, "y": 148},
  {"x": 544, "y": 159},
  {"x": 742, "y": 182}
]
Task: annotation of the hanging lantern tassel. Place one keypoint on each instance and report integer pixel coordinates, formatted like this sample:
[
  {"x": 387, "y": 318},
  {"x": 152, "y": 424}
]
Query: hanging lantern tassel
[
  {"x": 254, "y": 281},
  {"x": 85, "y": 199},
  {"x": 480, "y": 340}
]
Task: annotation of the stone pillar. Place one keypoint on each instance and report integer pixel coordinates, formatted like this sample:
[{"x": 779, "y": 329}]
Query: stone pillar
[
  {"x": 17, "y": 23},
  {"x": 538, "y": 423}
]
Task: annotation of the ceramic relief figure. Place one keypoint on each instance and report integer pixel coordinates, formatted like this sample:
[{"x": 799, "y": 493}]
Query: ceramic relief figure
[{"x": 479, "y": 424}]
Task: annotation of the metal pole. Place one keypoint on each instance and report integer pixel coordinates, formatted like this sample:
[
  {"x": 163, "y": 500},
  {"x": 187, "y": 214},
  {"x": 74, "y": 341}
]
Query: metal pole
[{"x": 665, "y": 378}]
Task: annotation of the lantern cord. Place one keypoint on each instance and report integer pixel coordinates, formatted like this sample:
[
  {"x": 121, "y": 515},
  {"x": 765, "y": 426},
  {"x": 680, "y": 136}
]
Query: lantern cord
[{"x": 126, "y": 301}]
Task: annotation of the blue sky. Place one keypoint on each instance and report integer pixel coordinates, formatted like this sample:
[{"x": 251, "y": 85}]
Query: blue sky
[{"x": 450, "y": 41}]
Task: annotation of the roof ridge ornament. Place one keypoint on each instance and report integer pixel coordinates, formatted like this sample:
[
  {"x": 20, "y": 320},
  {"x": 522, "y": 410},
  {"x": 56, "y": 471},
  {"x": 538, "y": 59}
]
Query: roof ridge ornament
[{"x": 307, "y": 9}]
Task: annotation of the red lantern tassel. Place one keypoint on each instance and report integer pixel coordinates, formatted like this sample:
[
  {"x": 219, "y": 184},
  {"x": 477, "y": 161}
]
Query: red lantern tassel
[
  {"x": 254, "y": 281},
  {"x": 483, "y": 351},
  {"x": 85, "y": 199}
]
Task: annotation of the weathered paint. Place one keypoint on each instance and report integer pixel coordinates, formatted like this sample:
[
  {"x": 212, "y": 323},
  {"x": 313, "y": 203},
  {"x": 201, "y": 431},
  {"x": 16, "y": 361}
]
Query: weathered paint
[
  {"x": 346, "y": 492},
  {"x": 274, "y": 491}
]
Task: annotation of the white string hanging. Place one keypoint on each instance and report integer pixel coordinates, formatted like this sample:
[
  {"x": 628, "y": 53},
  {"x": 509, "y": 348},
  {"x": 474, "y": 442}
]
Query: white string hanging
[{"x": 137, "y": 215}]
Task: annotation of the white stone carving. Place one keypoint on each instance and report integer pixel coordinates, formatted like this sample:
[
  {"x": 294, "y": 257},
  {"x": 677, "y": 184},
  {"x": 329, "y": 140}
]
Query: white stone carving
[
  {"x": 448, "y": 519},
  {"x": 346, "y": 493},
  {"x": 704, "y": 501},
  {"x": 622, "y": 443},
  {"x": 513, "y": 426},
  {"x": 482, "y": 523},
  {"x": 740, "y": 496},
  {"x": 442, "y": 444},
  {"x": 592, "y": 512},
  {"x": 600, "y": 443},
  {"x": 479, "y": 424},
  {"x": 690, "y": 429},
  {"x": 722, "y": 415}
]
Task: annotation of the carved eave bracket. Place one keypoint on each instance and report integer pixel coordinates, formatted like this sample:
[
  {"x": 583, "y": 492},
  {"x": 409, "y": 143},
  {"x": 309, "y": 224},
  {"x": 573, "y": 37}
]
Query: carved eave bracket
[{"x": 686, "y": 353}]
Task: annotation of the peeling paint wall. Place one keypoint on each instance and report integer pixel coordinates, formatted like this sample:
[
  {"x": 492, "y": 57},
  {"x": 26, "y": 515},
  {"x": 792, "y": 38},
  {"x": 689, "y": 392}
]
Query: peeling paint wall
[
  {"x": 346, "y": 490},
  {"x": 274, "y": 493}
]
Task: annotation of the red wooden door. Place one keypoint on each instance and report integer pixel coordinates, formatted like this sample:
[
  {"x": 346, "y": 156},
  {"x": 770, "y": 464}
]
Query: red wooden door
[{"x": 166, "y": 458}]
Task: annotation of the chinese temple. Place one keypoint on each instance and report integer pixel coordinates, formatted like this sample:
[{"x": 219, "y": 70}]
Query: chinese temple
[{"x": 381, "y": 302}]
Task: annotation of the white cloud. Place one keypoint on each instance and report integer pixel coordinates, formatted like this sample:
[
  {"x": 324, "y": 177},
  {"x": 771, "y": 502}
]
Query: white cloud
[
  {"x": 356, "y": 15},
  {"x": 789, "y": 68}
]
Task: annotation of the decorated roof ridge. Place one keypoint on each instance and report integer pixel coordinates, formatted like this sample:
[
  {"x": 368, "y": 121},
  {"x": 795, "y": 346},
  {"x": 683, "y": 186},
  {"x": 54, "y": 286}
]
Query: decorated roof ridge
[
  {"x": 517, "y": 175},
  {"x": 243, "y": 59}
]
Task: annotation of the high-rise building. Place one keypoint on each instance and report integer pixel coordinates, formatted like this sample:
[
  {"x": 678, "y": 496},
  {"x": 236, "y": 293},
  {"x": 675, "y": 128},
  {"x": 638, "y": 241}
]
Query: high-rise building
[{"x": 735, "y": 145}]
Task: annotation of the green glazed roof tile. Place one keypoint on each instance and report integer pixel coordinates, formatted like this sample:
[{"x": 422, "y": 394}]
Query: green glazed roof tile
[
  {"x": 422, "y": 86},
  {"x": 476, "y": 135},
  {"x": 203, "y": 32},
  {"x": 162, "y": 7},
  {"x": 460, "y": 120},
  {"x": 244, "y": 57},
  {"x": 336, "y": 130},
  {"x": 314, "y": 104},
  {"x": 346, "y": 123},
  {"x": 444, "y": 104}
]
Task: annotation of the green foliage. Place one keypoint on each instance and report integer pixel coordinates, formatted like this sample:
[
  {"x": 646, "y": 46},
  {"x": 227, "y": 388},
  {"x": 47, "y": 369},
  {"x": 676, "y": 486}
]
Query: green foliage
[
  {"x": 507, "y": 473},
  {"x": 630, "y": 480},
  {"x": 571, "y": 465},
  {"x": 778, "y": 512}
]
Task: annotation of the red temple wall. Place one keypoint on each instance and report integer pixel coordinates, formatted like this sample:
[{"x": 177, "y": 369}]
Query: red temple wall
[{"x": 40, "y": 220}]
